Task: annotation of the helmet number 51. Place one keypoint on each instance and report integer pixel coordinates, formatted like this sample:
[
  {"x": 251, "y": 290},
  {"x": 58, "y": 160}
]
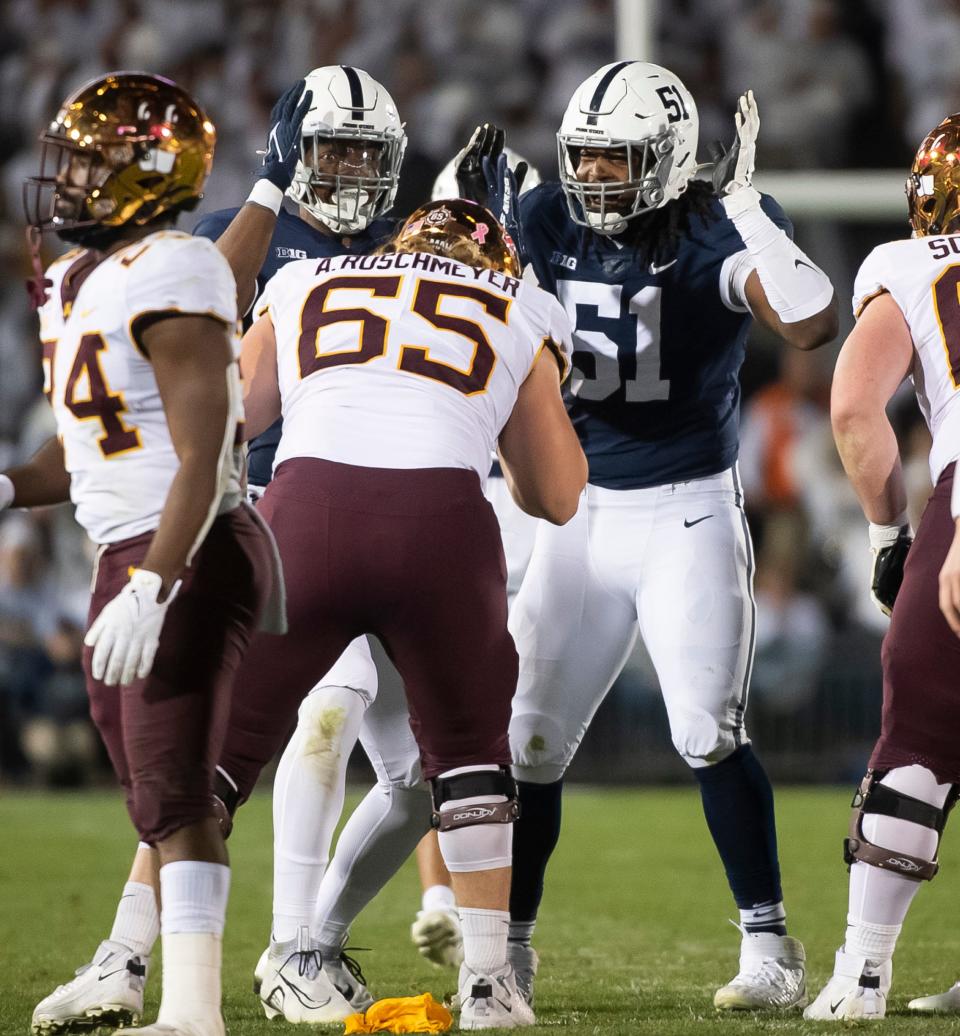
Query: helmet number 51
[{"x": 673, "y": 103}]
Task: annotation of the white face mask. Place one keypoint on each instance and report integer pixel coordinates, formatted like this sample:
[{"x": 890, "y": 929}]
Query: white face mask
[{"x": 346, "y": 212}]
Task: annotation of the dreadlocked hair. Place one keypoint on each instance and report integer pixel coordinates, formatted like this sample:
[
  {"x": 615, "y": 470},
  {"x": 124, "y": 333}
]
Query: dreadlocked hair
[{"x": 656, "y": 235}]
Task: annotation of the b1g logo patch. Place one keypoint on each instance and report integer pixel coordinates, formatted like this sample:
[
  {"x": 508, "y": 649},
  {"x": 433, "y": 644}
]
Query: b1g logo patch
[
  {"x": 567, "y": 261},
  {"x": 290, "y": 253}
]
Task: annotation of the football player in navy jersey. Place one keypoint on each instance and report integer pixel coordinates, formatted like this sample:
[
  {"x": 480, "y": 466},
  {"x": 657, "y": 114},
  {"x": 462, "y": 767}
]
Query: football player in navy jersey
[{"x": 660, "y": 274}]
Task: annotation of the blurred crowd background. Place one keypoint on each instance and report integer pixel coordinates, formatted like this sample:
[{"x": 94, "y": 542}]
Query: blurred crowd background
[{"x": 840, "y": 85}]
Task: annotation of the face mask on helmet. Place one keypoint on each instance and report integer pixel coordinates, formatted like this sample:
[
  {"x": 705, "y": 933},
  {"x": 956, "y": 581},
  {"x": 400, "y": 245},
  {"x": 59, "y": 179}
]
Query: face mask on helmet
[
  {"x": 126, "y": 149},
  {"x": 627, "y": 145},
  {"x": 351, "y": 150},
  {"x": 933, "y": 184}
]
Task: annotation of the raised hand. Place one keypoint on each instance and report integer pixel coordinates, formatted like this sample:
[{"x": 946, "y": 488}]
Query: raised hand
[
  {"x": 486, "y": 143},
  {"x": 283, "y": 141},
  {"x": 733, "y": 167}
]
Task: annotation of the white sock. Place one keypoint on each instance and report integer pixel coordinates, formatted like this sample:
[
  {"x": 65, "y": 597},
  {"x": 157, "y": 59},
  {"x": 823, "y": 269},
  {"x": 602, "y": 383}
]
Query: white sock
[
  {"x": 879, "y": 899},
  {"x": 193, "y": 897},
  {"x": 484, "y": 939},
  {"x": 137, "y": 921},
  {"x": 438, "y": 897},
  {"x": 763, "y": 918},
  {"x": 380, "y": 834},
  {"x": 308, "y": 794}
]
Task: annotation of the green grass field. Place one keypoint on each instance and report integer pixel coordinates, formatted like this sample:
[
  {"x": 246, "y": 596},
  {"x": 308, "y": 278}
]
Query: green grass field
[{"x": 633, "y": 935}]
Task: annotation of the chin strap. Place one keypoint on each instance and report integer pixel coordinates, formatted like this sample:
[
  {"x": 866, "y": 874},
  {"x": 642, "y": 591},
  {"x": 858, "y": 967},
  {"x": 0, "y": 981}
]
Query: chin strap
[{"x": 38, "y": 284}]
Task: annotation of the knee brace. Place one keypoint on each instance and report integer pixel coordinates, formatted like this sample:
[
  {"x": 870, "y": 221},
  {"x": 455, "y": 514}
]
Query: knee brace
[
  {"x": 226, "y": 801},
  {"x": 874, "y": 797},
  {"x": 478, "y": 795}
]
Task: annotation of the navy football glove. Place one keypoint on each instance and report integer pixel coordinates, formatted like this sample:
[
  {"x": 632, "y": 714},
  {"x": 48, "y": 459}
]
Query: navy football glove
[
  {"x": 486, "y": 143},
  {"x": 283, "y": 142},
  {"x": 503, "y": 193}
]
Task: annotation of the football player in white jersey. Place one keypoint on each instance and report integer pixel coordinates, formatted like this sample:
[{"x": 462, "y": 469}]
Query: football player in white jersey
[
  {"x": 396, "y": 374},
  {"x": 436, "y": 930},
  {"x": 324, "y": 154},
  {"x": 907, "y": 307},
  {"x": 140, "y": 358}
]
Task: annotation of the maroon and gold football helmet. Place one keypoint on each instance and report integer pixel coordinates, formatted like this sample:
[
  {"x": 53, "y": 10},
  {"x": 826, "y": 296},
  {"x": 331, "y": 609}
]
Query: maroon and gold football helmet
[
  {"x": 933, "y": 186},
  {"x": 459, "y": 229},
  {"x": 123, "y": 150}
]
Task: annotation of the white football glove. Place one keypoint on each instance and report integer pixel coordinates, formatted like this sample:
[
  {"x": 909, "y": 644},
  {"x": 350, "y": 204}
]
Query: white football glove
[
  {"x": 733, "y": 168},
  {"x": 126, "y": 633},
  {"x": 6, "y": 492}
]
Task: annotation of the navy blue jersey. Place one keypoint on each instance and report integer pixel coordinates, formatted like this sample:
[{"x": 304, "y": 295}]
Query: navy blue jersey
[
  {"x": 655, "y": 392},
  {"x": 293, "y": 238}
]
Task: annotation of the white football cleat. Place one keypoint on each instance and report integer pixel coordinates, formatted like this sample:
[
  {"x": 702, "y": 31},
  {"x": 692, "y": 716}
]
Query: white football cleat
[
  {"x": 106, "y": 992},
  {"x": 344, "y": 972},
  {"x": 492, "y": 1001},
  {"x": 260, "y": 970},
  {"x": 437, "y": 935},
  {"x": 295, "y": 986},
  {"x": 858, "y": 988},
  {"x": 939, "y": 1003},
  {"x": 525, "y": 962},
  {"x": 772, "y": 975},
  {"x": 210, "y": 1027}
]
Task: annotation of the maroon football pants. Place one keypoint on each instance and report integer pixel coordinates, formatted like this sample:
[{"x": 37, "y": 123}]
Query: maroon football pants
[
  {"x": 411, "y": 556},
  {"x": 164, "y": 733},
  {"x": 921, "y": 657}
]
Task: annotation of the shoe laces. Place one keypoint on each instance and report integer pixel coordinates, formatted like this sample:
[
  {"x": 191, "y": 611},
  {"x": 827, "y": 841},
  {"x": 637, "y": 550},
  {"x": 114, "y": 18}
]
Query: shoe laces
[
  {"x": 765, "y": 971},
  {"x": 309, "y": 963},
  {"x": 352, "y": 964}
]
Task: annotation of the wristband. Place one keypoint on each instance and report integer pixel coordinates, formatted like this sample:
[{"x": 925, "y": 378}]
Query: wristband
[
  {"x": 7, "y": 492},
  {"x": 741, "y": 199},
  {"x": 267, "y": 195},
  {"x": 882, "y": 536},
  {"x": 795, "y": 287},
  {"x": 955, "y": 495}
]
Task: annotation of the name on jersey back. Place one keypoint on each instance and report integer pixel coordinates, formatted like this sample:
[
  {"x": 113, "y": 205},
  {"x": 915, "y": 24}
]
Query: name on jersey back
[{"x": 421, "y": 261}]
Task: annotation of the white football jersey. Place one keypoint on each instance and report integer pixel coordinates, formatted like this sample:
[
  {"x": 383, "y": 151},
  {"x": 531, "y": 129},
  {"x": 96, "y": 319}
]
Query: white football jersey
[
  {"x": 101, "y": 386},
  {"x": 922, "y": 276},
  {"x": 404, "y": 361}
]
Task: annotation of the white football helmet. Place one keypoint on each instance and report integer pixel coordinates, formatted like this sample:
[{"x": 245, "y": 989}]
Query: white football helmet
[
  {"x": 445, "y": 185},
  {"x": 339, "y": 180},
  {"x": 645, "y": 110}
]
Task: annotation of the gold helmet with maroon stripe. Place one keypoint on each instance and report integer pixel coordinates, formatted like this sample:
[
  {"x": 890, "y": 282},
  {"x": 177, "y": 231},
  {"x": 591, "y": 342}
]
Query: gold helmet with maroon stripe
[
  {"x": 123, "y": 150},
  {"x": 933, "y": 186},
  {"x": 459, "y": 229}
]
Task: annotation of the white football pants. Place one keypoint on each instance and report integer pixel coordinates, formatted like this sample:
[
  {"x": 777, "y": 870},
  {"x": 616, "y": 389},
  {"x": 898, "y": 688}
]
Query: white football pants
[{"x": 673, "y": 563}]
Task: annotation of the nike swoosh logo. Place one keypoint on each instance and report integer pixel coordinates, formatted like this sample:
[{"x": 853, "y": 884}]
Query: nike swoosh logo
[
  {"x": 696, "y": 521},
  {"x": 833, "y": 1007},
  {"x": 800, "y": 262},
  {"x": 660, "y": 269},
  {"x": 304, "y": 998},
  {"x": 119, "y": 971}
]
